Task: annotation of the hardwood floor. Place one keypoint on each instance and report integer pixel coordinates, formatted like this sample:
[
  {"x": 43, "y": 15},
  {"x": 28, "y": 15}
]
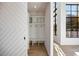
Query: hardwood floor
[
  {"x": 37, "y": 50},
  {"x": 69, "y": 50},
  {"x": 54, "y": 52}
]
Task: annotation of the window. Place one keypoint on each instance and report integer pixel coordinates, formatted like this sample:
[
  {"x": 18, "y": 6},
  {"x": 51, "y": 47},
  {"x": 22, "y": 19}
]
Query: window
[{"x": 72, "y": 20}]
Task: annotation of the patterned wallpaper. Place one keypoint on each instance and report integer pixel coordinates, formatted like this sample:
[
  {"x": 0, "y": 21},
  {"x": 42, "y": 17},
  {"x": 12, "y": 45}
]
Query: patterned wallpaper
[{"x": 13, "y": 28}]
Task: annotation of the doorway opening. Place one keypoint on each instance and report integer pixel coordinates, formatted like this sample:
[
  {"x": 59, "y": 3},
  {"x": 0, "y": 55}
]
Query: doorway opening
[{"x": 38, "y": 35}]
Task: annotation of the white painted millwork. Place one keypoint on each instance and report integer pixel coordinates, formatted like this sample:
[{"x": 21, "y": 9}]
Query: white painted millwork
[
  {"x": 37, "y": 28},
  {"x": 47, "y": 28}
]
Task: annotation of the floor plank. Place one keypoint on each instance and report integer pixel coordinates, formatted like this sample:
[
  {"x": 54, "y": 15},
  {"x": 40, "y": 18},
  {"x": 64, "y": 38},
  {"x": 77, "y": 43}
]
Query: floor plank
[
  {"x": 69, "y": 50},
  {"x": 37, "y": 50}
]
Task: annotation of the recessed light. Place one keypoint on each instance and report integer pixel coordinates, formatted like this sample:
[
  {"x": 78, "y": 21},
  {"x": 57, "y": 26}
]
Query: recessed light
[{"x": 35, "y": 6}]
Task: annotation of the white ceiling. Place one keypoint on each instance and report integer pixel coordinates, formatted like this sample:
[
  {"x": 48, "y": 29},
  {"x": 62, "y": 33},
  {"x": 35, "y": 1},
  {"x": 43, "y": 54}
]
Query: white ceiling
[{"x": 40, "y": 7}]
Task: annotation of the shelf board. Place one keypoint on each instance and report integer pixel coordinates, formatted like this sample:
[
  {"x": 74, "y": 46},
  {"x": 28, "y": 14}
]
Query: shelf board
[
  {"x": 55, "y": 15},
  {"x": 55, "y": 10}
]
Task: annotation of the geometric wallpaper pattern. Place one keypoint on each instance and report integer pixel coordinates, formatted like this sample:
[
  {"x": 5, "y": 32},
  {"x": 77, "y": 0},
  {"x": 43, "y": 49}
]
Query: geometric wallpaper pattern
[{"x": 13, "y": 24}]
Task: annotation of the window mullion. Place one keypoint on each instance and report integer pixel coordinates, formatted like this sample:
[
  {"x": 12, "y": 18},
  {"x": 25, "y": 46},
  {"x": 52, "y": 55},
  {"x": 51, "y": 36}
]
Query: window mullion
[
  {"x": 77, "y": 20},
  {"x": 71, "y": 21}
]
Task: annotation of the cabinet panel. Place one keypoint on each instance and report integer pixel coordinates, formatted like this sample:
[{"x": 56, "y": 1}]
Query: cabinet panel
[{"x": 37, "y": 28}]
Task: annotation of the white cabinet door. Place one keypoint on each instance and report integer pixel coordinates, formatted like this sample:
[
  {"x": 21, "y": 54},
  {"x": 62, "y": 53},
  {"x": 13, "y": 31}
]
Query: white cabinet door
[{"x": 37, "y": 28}]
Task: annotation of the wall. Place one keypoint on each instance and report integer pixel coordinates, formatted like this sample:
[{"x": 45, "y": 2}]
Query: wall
[
  {"x": 47, "y": 29},
  {"x": 13, "y": 29},
  {"x": 61, "y": 23},
  {"x": 37, "y": 13},
  {"x": 51, "y": 30},
  {"x": 58, "y": 11}
]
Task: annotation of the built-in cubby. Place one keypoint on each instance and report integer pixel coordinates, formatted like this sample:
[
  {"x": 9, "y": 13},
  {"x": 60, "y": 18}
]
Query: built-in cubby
[{"x": 36, "y": 28}]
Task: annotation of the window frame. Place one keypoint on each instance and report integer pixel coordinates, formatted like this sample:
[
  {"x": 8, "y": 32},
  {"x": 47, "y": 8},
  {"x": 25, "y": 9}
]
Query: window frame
[{"x": 71, "y": 17}]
